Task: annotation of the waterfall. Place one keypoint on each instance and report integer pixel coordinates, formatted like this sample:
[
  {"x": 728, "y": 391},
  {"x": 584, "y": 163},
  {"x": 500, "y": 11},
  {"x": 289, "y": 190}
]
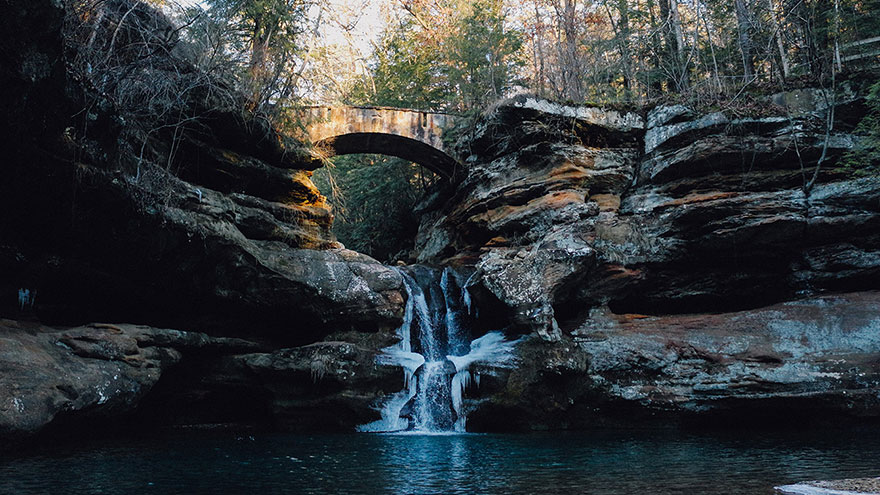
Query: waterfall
[
  {"x": 437, "y": 355},
  {"x": 401, "y": 355}
]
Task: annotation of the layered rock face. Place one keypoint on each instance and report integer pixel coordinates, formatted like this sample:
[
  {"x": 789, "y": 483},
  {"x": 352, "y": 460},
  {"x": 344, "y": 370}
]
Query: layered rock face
[
  {"x": 201, "y": 216},
  {"x": 814, "y": 360},
  {"x": 157, "y": 199},
  {"x": 530, "y": 200},
  {"x": 596, "y": 228},
  {"x": 98, "y": 371},
  {"x": 670, "y": 214},
  {"x": 669, "y": 265}
]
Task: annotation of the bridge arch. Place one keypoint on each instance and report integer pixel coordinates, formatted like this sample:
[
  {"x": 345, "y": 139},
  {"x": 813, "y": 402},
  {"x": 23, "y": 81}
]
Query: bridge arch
[{"x": 413, "y": 135}]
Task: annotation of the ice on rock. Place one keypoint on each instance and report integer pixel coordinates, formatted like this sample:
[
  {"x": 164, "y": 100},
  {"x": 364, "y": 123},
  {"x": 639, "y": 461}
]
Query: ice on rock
[{"x": 437, "y": 323}]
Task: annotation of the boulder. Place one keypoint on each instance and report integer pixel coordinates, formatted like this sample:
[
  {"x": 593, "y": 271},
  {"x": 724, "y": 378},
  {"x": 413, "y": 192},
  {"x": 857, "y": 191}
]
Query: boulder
[
  {"x": 325, "y": 386},
  {"x": 815, "y": 359},
  {"x": 98, "y": 372}
]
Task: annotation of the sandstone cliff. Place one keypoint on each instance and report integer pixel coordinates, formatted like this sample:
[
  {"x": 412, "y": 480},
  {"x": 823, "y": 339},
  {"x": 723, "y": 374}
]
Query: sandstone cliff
[
  {"x": 648, "y": 252},
  {"x": 122, "y": 203},
  {"x": 201, "y": 216},
  {"x": 566, "y": 209}
]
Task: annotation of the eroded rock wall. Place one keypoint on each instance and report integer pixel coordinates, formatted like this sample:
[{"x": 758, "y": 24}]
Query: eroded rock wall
[
  {"x": 668, "y": 264},
  {"x": 103, "y": 378},
  {"x": 802, "y": 363},
  {"x": 209, "y": 220},
  {"x": 98, "y": 371},
  {"x": 672, "y": 263},
  {"x": 673, "y": 213}
]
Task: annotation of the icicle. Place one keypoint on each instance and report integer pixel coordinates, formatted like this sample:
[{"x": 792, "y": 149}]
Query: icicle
[
  {"x": 434, "y": 314},
  {"x": 410, "y": 361},
  {"x": 391, "y": 420},
  {"x": 401, "y": 355},
  {"x": 490, "y": 349},
  {"x": 26, "y": 298},
  {"x": 466, "y": 297},
  {"x": 459, "y": 384}
]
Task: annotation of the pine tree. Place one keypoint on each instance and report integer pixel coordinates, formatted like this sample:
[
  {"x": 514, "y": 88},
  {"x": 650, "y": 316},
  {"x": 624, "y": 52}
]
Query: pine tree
[{"x": 261, "y": 37}]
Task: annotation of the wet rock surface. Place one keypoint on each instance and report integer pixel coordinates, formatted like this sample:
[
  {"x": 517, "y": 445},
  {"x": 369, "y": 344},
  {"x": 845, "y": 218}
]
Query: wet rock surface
[
  {"x": 101, "y": 375},
  {"x": 90, "y": 372},
  {"x": 650, "y": 267},
  {"x": 869, "y": 486},
  {"x": 226, "y": 235},
  {"x": 327, "y": 385},
  {"x": 677, "y": 213},
  {"x": 808, "y": 360},
  {"x": 670, "y": 265}
]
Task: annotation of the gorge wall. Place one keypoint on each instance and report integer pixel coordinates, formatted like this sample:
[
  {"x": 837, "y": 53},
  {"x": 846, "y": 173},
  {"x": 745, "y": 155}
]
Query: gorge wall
[
  {"x": 119, "y": 204},
  {"x": 673, "y": 262},
  {"x": 663, "y": 264},
  {"x": 200, "y": 224}
]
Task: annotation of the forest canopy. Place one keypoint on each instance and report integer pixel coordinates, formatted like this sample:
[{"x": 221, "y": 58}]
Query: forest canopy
[
  {"x": 460, "y": 56},
  {"x": 457, "y": 55}
]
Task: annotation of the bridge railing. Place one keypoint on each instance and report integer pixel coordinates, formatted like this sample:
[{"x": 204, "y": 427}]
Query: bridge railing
[
  {"x": 384, "y": 108},
  {"x": 866, "y": 51}
]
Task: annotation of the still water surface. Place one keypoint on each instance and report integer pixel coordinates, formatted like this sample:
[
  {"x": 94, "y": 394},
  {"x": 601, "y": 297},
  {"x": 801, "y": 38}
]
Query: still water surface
[{"x": 606, "y": 462}]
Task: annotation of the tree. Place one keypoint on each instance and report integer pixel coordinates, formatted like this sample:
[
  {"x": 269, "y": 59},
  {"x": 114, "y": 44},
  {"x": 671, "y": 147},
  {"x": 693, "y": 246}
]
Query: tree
[
  {"x": 374, "y": 199},
  {"x": 262, "y": 39},
  {"x": 482, "y": 55},
  {"x": 405, "y": 71},
  {"x": 675, "y": 48},
  {"x": 452, "y": 55},
  {"x": 744, "y": 38}
]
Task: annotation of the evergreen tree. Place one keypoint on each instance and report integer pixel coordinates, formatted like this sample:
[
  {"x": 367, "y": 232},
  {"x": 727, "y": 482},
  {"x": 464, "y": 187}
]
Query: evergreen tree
[
  {"x": 260, "y": 38},
  {"x": 405, "y": 72},
  {"x": 374, "y": 198},
  {"x": 481, "y": 56}
]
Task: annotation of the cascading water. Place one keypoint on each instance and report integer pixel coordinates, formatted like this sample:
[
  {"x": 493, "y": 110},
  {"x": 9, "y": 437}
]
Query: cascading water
[{"x": 436, "y": 353}]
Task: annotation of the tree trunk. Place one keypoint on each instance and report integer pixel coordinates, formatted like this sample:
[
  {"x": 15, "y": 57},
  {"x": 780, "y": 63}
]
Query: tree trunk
[
  {"x": 656, "y": 84},
  {"x": 718, "y": 83},
  {"x": 259, "y": 44},
  {"x": 539, "y": 50},
  {"x": 680, "y": 59},
  {"x": 777, "y": 33},
  {"x": 623, "y": 34},
  {"x": 257, "y": 69},
  {"x": 836, "y": 34},
  {"x": 571, "y": 58},
  {"x": 744, "y": 26},
  {"x": 674, "y": 45}
]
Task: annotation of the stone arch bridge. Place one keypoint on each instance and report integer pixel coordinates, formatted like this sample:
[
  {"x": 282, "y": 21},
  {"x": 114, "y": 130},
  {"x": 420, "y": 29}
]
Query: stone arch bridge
[{"x": 413, "y": 135}]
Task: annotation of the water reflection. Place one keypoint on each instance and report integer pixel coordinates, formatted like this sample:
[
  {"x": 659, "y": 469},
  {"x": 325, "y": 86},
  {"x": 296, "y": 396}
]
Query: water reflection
[{"x": 599, "y": 463}]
